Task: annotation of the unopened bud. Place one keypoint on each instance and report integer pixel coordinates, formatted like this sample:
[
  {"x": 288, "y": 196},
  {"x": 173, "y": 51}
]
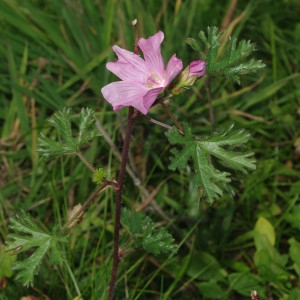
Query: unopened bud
[
  {"x": 197, "y": 67},
  {"x": 189, "y": 75}
]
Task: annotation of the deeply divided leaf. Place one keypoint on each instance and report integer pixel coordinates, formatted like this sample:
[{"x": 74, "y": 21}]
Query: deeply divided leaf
[
  {"x": 201, "y": 151},
  {"x": 145, "y": 234},
  {"x": 66, "y": 143},
  {"x": 158, "y": 240},
  {"x": 133, "y": 220},
  {"x": 234, "y": 62},
  {"x": 61, "y": 121},
  {"x": 28, "y": 235},
  {"x": 86, "y": 131}
]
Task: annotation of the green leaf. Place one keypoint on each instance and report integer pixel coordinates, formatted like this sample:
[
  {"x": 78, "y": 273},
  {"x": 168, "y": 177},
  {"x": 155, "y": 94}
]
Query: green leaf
[
  {"x": 294, "y": 294},
  {"x": 234, "y": 62},
  {"x": 262, "y": 243},
  {"x": 145, "y": 234},
  {"x": 202, "y": 151},
  {"x": 29, "y": 235},
  {"x": 67, "y": 144},
  {"x": 294, "y": 254},
  {"x": 245, "y": 282},
  {"x": 61, "y": 121},
  {"x": 293, "y": 218},
  {"x": 210, "y": 289},
  {"x": 50, "y": 148},
  {"x": 85, "y": 123},
  {"x": 193, "y": 43},
  {"x": 212, "y": 44},
  {"x": 6, "y": 260},
  {"x": 204, "y": 266},
  {"x": 263, "y": 226},
  {"x": 268, "y": 261},
  {"x": 134, "y": 221},
  {"x": 158, "y": 241}
]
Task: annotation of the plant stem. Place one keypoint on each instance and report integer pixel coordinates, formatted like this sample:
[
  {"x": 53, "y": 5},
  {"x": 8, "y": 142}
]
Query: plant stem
[
  {"x": 211, "y": 109},
  {"x": 136, "y": 180},
  {"x": 177, "y": 124},
  {"x": 158, "y": 123},
  {"x": 130, "y": 155},
  {"x": 80, "y": 155},
  {"x": 104, "y": 186},
  {"x": 119, "y": 202}
]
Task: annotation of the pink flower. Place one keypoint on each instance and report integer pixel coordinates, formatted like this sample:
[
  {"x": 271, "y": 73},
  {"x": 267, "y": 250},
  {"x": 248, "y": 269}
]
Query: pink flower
[
  {"x": 197, "y": 67},
  {"x": 142, "y": 80}
]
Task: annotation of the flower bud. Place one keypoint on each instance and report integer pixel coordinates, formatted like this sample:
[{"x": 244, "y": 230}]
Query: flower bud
[
  {"x": 197, "y": 67},
  {"x": 189, "y": 75}
]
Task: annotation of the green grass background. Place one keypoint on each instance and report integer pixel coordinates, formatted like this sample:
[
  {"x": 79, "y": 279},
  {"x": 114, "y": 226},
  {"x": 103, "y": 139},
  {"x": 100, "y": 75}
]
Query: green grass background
[{"x": 53, "y": 54}]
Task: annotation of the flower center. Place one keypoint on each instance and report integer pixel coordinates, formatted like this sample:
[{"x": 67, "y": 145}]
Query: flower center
[{"x": 154, "y": 81}]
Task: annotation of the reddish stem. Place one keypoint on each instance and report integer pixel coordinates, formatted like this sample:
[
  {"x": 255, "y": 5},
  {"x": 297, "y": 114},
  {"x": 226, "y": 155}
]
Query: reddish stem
[
  {"x": 118, "y": 206},
  {"x": 130, "y": 119}
]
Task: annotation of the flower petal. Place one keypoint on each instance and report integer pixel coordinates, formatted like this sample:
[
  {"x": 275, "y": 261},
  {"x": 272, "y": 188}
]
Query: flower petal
[
  {"x": 150, "y": 98},
  {"x": 173, "y": 68},
  {"x": 197, "y": 67},
  {"x": 152, "y": 53},
  {"x": 129, "y": 67},
  {"x": 120, "y": 94},
  {"x": 143, "y": 79}
]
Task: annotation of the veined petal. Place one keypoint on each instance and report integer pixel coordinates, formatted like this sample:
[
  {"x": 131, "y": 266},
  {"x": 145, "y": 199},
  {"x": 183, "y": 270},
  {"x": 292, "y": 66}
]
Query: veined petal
[
  {"x": 150, "y": 98},
  {"x": 174, "y": 67},
  {"x": 152, "y": 53},
  {"x": 127, "y": 72},
  {"x": 129, "y": 67},
  {"x": 143, "y": 79},
  {"x": 197, "y": 67},
  {"x": 120, "y": 94}
]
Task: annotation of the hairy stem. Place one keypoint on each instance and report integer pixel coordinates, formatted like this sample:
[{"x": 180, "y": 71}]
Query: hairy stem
[
  {"x": 117, "y": 154},
  {"x": 80, "y": 155},
  {"x": 211, "y": 109},
  {"x": 158, "y": 123},
  {"x": 119, "y": 202},
  {"x": 104, "y": 186},
  {"x": 176, "y": 122},
  {"x": 130, "y": 155}
]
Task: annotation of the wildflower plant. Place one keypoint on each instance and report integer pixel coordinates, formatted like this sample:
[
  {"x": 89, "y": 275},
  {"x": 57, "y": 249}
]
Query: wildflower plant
[{"x": 145, "y": 81}]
